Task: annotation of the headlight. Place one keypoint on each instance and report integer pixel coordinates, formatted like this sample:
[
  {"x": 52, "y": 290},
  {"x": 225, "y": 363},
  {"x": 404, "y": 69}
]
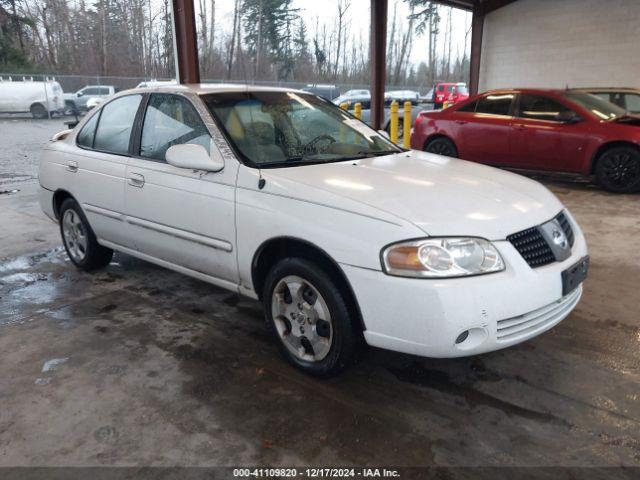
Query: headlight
[{"x": 441, "y": 257}]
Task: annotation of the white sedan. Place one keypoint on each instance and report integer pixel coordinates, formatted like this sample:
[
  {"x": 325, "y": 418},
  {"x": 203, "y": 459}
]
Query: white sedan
[{"x": 283, "y": 197}]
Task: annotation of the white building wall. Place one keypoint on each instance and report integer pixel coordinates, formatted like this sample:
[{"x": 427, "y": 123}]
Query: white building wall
[{"x": 555, "y": 43}]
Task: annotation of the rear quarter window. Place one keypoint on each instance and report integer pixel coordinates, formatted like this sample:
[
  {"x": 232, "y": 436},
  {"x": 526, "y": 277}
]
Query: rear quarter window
[{"x": 85, "y": 137}]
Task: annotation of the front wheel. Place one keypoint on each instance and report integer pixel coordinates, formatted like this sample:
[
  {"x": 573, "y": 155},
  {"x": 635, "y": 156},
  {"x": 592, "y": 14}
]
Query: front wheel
[
  {"x": 79, "y": 240},
  {"x": 309, "y": 317},
  {"x": 618, "y": 170},
  {"x": 442, "y": 146}
]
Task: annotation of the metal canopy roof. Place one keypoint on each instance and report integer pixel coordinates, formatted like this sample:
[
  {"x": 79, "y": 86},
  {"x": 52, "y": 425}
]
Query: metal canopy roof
[{"x": 186, "y": 45}]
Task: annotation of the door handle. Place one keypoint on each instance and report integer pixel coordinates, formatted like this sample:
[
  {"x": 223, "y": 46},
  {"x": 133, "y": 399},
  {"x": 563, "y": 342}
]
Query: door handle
[
  {"x": 72, "y": 166},
  {"x": 520, "y": 127},
  {"x": 136, "y": 180},
  {"x": 461, "y": 122}
]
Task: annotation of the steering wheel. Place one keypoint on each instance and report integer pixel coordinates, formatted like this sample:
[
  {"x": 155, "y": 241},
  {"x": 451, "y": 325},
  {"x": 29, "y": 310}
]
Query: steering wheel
[{"x": 312, "y": 143}]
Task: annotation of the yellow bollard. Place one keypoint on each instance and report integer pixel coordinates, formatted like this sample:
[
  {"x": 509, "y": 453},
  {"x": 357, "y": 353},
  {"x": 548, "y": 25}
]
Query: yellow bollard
[
  {"x": 343, "y": 130},
  {"x": 406, "y": 128},
  {"x": 357, "y": 110},
  {"x": 394, "y": 122}
]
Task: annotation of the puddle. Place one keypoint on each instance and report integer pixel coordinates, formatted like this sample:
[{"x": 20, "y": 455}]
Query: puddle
[
  {"x": 24, "y": 278},
  {"x": 417, "y": 374},
  {"x": 19, "y": 263},
  {"x": 52, "y": 364}
]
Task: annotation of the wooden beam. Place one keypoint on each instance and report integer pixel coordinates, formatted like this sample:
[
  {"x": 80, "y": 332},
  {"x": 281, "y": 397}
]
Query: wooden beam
[
  {"x": 461, "y": 4},
  {"x": 477, "y": 26},
  {"x": 378, "y": 49},
  {"x": 185, "y": 42},
  {"x": 488, "y": 6}
]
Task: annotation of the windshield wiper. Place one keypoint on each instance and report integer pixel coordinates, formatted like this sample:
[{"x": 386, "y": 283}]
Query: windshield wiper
[{"x": 376, "y": 153}]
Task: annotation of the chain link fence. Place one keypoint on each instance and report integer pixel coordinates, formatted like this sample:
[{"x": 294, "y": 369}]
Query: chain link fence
[{"x": 46, "y": 95}]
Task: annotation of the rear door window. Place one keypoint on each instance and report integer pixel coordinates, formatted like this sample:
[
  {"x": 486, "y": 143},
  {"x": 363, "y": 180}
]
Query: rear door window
[
  {"x": 115, "y": 125},
  {"x": 85, "y": 137},
  {"x": 496, "y": 104},
  {"x": 469, "y": 107}
]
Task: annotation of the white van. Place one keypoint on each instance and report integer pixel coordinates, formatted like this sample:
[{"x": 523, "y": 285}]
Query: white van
[{"x": 26, "y": 95}]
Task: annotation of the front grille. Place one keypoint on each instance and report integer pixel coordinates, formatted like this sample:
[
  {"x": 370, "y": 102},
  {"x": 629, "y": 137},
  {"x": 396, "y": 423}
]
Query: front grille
[
  {"x": 522, "y": 326},
  {"x": 533, "y": 247},
  {"x": 566, "y": 227}
]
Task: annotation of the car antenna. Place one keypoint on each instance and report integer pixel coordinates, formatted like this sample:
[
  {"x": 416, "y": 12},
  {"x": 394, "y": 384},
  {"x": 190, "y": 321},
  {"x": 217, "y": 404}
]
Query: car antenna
[{"x": 261, "y": 181}]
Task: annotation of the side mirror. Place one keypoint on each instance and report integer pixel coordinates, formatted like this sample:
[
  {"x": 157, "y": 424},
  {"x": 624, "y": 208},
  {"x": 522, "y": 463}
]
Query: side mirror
[
  {"x": 79, "y": 94},
  {"x": 385, "y": 134},
  {"x": 194, "y": 157},
  {"x": 567, "y": 116}
]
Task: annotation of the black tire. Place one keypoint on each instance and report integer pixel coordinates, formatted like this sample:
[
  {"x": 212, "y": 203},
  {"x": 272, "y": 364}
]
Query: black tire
[
  {"x": 618, "y": 169},
  {"x": 38, "y": 111},
  {"x": 70, "y": 108},
  {"x": 441, "y": 146},
  {"x": 400, "y": 129},
  {"x": 95, "y": 256},
  {"x": 344, "y": 340}
]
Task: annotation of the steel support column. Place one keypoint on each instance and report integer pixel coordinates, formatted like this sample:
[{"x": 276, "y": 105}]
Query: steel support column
[
  {"x": 477, "y": 26},
  {"x": 378, "y": 49},
  {"x": 185, "y": 42}
]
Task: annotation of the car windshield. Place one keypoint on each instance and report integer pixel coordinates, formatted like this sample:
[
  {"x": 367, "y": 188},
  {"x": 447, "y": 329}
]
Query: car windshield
[
  {"x": 275, "y": 129},
  {"x": 596, "y": 105}
]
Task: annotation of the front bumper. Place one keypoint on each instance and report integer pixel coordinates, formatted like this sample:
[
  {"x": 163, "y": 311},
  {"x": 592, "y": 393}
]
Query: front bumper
[{"x": 425, "y": 316}]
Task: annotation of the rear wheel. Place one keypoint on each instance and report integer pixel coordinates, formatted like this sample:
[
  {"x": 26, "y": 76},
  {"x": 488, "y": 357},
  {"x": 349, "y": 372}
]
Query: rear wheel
[
  {"x": 441, "y": 146},
  {"x": 618, "y": 169},
  {"x": 38, "y": 111},
  {"x": 400, "y": 129},
  {"x": 79, "y": 240},
  {"x": 309, "y": 317}
]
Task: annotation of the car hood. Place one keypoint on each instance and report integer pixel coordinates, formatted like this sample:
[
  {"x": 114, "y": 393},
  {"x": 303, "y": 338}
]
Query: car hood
[{"x": 439, "y": 195}]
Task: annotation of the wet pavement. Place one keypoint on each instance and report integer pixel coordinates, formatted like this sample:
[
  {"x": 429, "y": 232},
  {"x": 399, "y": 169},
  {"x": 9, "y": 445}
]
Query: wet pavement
[
  {"x": 22, "y": 140},
  {"x": 137, "y": 365}
]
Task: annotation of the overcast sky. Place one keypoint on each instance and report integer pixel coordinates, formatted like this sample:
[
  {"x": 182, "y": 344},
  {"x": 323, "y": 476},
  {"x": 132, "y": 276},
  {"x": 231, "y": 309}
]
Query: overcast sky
[{"x": 359, "y": 15}]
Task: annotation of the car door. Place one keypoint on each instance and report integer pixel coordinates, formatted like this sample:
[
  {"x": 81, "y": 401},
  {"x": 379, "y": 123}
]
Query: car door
[
  {"x": 541, "y": 140},
  {"x": 103, "y": 92},
  {"x": 86, "y": 94},
  {"x": 96, "y": 174},
  {"x": 483, "y": 135},
  {"x": 183, "y": 217}
]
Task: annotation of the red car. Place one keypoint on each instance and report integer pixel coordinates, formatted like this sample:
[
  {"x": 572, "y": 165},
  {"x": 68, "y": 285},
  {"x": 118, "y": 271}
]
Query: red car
[
  {"x": 451, "y": 93},
  {"x": 539, "y": 130}
]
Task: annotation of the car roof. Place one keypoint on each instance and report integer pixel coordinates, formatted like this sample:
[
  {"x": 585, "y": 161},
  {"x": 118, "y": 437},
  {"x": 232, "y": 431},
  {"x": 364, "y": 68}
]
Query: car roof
[
  {"x": 523, "y": 90},
  {"x": 205, "y": 88},
  {"x": 605, "y": 89}
]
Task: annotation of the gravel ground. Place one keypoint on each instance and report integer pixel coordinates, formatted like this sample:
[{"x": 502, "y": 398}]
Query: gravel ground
[{"x": 136, "y": 365}]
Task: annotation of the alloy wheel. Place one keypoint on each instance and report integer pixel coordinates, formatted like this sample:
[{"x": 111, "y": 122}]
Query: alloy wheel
[
  {"x": 621, "y": 168},
  {"x": 302, "y": 318},
  {"x": 440, "y": 148},
  {"x": 75, "y": 235}
]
